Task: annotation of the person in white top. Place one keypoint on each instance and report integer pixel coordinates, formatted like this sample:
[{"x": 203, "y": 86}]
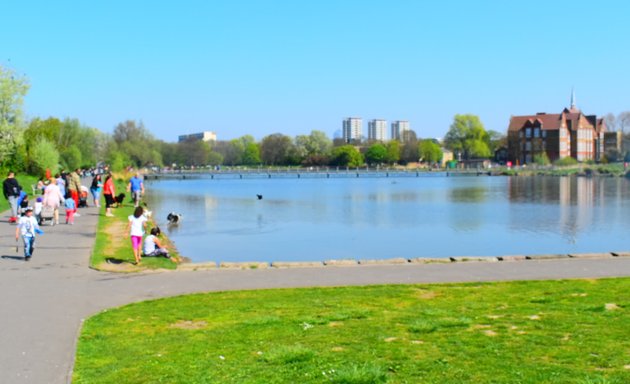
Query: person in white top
[
  {"x": 27, "y": 227},
  {"x": 153, "y": 246},
  {"x": 137, "y": 224}
]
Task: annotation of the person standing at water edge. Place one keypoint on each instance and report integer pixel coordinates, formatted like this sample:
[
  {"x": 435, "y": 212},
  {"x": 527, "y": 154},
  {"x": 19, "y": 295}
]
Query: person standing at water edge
[
  {"x": 27, "y": 227},
  {"x": 11, "y": 189},
  {"x": 136, "y": 187},
  {"x": 137, "y": 224}
]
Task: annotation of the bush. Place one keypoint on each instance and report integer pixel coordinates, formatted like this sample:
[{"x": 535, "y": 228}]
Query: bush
[
  {"x": 565, "y": 161},
  {"x": 43, "y": 155},
  {"x": 542, "y": 159}
]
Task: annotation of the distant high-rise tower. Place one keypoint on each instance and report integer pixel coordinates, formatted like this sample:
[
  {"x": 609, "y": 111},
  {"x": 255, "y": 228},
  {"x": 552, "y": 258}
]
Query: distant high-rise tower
[
  {"x": 377, "y": 129},
  {"x": 398, "y": 129},
  {"x": 352, "y": 129}
]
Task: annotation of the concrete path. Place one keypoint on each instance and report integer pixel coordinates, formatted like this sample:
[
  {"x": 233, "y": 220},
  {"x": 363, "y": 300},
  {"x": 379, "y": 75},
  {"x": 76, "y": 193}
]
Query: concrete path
[{"x": 43, "y": 302}]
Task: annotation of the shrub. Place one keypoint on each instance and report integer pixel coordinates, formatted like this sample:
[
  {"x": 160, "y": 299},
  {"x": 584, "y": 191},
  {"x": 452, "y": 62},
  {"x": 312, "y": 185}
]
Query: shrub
[{"x": 565, "y": 161}]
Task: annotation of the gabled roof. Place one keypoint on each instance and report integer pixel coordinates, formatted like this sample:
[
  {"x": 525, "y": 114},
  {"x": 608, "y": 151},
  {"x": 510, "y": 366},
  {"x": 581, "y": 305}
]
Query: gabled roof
[{"x": 571, "y": 118}]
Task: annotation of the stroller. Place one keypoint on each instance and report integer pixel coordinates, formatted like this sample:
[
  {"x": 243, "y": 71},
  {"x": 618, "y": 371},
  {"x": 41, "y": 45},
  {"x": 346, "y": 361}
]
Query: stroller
[
  {"x": 47, "y": 215},
  {"x": 83, "y": 198}
]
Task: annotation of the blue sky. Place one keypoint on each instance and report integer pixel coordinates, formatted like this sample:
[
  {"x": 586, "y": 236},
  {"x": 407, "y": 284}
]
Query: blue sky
[{"x": 261, "y": 67}]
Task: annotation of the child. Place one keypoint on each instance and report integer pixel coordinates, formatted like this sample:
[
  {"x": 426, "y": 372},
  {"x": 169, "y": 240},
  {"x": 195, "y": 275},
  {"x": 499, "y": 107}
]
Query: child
[
  {"x": 38, "y": 210},
  {"x": 137, "y": 223},
  {"x": 71, "y": 208},
  {"x": 22, "y": 201},
  {"x": 27, "y": 227},
  {"x": 152, "y": 245}
]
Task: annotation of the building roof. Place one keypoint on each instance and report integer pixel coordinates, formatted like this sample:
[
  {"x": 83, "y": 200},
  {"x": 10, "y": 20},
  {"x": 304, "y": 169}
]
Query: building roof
[{"x": 570, "y": 118}]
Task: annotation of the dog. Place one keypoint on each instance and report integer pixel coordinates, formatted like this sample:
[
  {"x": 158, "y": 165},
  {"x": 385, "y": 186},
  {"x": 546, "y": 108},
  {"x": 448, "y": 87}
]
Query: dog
[
  {"x": 173, "y": 218},
  {"x": 119, "y": 199}
]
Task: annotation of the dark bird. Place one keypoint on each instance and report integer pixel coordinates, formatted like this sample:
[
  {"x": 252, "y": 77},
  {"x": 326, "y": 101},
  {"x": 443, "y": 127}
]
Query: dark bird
[
  {"x": 259, "y": 197},
  {"x": 173, "y": 218}
]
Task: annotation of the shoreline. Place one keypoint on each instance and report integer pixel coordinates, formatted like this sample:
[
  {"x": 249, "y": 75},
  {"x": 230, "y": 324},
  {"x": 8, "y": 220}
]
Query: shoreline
[{"x": 193, "y": 266}]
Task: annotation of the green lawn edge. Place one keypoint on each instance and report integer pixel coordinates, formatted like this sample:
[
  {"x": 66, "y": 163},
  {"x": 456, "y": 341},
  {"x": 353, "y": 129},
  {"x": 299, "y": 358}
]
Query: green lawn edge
[
  {"x": 563, "y": 331},
  {"x": 115, "y": 255}
]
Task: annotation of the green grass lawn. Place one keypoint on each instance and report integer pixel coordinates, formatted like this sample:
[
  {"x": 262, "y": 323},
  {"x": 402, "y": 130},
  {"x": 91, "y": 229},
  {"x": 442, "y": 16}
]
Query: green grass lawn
[
  {"x": 112, "y": 241},
  {"x": 574, "y": 331}
]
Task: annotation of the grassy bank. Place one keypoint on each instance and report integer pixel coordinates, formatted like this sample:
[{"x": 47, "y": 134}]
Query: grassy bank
[
  {"x": 516, "y": 332},
  {"x": 112, "y": 248}
]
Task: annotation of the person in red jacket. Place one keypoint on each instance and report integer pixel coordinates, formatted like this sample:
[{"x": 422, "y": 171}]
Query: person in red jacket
[{"x": 109, "y": 192}]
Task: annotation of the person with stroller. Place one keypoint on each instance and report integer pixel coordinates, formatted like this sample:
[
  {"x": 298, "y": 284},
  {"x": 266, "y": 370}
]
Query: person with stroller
[{"x": 53, "y": 198}]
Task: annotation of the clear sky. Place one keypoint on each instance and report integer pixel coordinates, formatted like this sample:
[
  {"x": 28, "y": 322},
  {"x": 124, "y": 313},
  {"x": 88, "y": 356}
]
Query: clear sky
[{"x": 261, "y": 67}]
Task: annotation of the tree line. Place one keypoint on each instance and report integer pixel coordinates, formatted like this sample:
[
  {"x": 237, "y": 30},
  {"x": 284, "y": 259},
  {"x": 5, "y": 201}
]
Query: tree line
[{"x": 52, "y": 143}]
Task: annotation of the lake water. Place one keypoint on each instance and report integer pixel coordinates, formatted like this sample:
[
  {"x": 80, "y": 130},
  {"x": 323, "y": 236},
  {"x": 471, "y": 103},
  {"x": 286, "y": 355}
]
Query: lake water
[{"x": 375, "y": 218}]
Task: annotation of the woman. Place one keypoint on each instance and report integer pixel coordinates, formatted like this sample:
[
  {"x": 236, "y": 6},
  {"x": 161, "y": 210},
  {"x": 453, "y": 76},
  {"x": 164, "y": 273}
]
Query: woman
[
  {"x": 97, "y": 185},
  {"x": 53, "y": 198},
  {"x": 109, "y": 192},
  {"x": 137, "y": 224}
]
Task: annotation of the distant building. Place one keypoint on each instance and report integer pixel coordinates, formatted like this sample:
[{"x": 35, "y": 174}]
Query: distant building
[
  {"x": 203, "y": 136},
  {"x": 399, "y": 127},
  {"x": 352, "y": 129},
  {"x": 569, "y": 133},
  {"x": 377, "y": 129}
]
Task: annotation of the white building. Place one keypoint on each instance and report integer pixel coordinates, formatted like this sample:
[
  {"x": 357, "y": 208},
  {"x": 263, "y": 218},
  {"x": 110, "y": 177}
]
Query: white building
[
  {"x": 352, "y": 129},
  {"x": 377, "y": 129},
  {"x": 398, "y": 129},
  {"x": 203, "y": 136}
]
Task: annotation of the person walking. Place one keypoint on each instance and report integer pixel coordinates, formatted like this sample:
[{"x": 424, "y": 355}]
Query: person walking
[
  {"x": 95, "y": 188},
  {"x": 11, "y": 189},
  {"x": 137, "y": 224},
  {"x": 74, "y": 187},
  {"x": 109, "y": 192},
  {"x": 136, "y": 187},
  {"x": 27, "y": 227},
  {"x": 53, "y": 198}
]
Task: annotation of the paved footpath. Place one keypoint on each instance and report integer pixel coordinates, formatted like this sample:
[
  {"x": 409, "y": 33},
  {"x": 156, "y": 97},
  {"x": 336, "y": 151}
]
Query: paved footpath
[{"x": 43, "y": 302}]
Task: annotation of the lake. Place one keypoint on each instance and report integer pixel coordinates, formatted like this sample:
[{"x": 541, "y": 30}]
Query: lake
[{"x": 376, "y": 218}]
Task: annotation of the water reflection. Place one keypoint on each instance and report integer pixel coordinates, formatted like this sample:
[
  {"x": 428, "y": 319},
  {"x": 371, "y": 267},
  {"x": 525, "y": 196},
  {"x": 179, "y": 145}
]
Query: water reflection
[{"x": 375, "y": 218}]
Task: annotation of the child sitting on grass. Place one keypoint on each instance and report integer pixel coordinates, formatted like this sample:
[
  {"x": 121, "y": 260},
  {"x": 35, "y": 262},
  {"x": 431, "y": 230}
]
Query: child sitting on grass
[{"x": 152, "y": 245}]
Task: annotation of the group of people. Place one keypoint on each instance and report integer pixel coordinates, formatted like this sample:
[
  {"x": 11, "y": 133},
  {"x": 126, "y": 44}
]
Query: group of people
[{"x": 66, "y": 190}]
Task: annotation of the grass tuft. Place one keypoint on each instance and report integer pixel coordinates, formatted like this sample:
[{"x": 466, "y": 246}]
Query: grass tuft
[
  {"x": 289, "y": 355},
  {"x": 359, "y": 374}
]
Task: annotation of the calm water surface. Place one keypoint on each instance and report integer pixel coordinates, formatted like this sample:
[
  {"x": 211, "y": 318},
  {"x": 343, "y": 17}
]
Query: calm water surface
[{"x": 374, "y": 218}]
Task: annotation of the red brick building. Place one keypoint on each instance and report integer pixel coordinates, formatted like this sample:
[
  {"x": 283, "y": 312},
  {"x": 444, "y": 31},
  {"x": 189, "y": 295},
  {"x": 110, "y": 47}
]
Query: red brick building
[{"x": 568, "y": 133}]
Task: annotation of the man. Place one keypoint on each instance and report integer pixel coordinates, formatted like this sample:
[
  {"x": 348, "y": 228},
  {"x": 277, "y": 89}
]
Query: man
[
  {"x": 12, "y": 189},
  {"x": 74, "y": 187},
  {"x": 136, "y": 187}
]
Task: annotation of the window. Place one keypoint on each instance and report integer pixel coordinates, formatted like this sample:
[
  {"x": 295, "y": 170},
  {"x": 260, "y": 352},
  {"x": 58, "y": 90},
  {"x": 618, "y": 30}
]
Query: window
[
  {"x": 536, "y": 132},
  {"x": 528, "y": 146},
  {"x": 544, "y": 133},
  {"x": 528, "y": 132}
]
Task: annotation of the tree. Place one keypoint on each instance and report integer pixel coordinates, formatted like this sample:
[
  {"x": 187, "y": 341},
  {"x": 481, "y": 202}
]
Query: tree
[
  {"x": 13, "y": 88},
  {"x": 409, "y": 151},
  {"x": 251, "y": 156},
  {"x": 71, "y": 158},
  {"x": 611, "y": 122},
  {"x": 496, "y": 140},
  {"x": 429, "y": 151},
  {"x": 194, "y": 152},
  {"x": 275, "y": 149},
  {"x": 393, "y": 152},
  {"x": 43, "y": 155},
  {"x": 376, "y": 154},
  {"x": 137, "y": 143},
  {"x": 468, "y": 137},
  {"x": 346, "y": 156}
]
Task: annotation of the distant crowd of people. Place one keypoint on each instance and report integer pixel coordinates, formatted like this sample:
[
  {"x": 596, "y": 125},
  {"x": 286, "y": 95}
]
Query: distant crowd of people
[{"x": 66, "y": 190}]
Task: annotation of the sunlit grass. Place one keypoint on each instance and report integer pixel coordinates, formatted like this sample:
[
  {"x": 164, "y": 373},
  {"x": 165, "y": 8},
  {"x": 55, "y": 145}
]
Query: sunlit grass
[{"x": 518, "y": 332}]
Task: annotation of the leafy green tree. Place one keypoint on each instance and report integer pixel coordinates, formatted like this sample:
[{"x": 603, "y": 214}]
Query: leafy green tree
[
  {"x": 346, "y": 156},
  {"x": 215, "y": 158},
  {"x": 315, "y": 148},
  {"x": 13, "y": 88},
  {"x": 137, "y": 143},
  {"x": 393, "y": 152},
  {"x": 116, "y": 159},
  {"x": 43, "y": 155},
  {"x": 430, "y": 151},
  {"x": 71, "y": 158},
  {"x": 251, "y": 156},
  {"x": 275, "y": 149},
  {"x": 376, "y": 154},
  {"x": 194, "y": 152},
  {"x": 542, "y": 159},
  {"x": 468, "y": 137}
]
